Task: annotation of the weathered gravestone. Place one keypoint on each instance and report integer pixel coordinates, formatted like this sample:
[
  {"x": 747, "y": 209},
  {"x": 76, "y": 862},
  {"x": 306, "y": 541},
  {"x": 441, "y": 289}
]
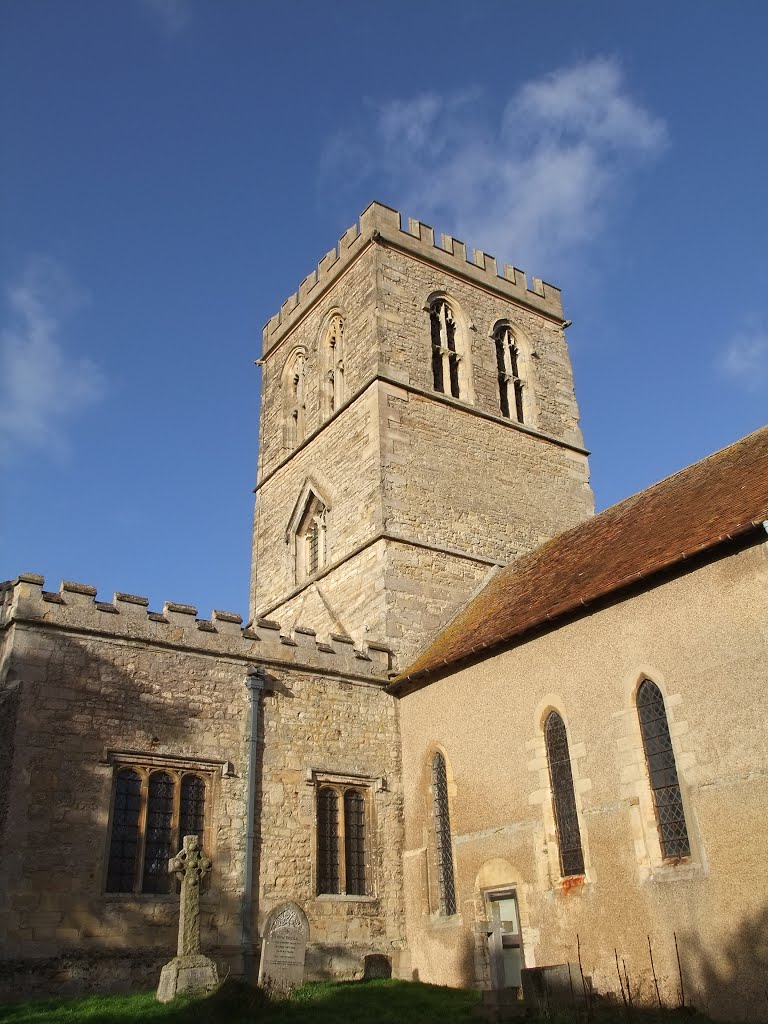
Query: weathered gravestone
[
  {"x": 283, "y": 948},
  {"x": 189, "y": 971}
]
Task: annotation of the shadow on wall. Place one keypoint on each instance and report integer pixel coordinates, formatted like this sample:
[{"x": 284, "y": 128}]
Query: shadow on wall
[
  {"x": 734, "y": 984},
  {"x": 65, "y": 933}
]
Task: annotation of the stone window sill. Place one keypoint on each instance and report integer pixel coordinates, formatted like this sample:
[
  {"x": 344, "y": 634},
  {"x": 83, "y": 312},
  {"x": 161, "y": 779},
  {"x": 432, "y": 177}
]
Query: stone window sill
[{"x": 339, "y": 897}]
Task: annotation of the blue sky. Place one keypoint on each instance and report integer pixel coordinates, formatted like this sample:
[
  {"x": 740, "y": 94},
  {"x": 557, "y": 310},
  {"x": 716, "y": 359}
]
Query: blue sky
[{"x": 171, "y": 169}]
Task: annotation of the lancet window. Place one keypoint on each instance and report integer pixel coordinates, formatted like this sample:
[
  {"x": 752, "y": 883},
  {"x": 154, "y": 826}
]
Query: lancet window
[
  {"x": 563, "y": 796},
  {"x": 333, "y": 386},
  {"x": 151, "y": 813},
  {"x": 294, "y": 399},
  {"x": 342, "y": 852},
  {"x": 311, "y": 548},
  {"x": 443, "y": 840},
  {"x": 508, "y": 368},
  {"x": 662, "y": 771},
  {"x": 445, "y": 349}
]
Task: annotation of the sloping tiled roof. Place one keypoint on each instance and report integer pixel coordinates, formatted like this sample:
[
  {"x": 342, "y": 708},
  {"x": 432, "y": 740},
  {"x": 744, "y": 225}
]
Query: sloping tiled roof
[{"x": 719, "y": 498}]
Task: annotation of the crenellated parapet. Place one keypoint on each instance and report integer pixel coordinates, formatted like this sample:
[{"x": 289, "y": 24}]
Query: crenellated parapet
[
  {"x": 74, "y": 608},
  {"x": 382, "y": 225}
]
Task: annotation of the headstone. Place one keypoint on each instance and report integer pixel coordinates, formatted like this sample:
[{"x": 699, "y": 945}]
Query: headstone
[
  {"x": 189, "y": 971},
  {"x": 376, "y": 965},
  {"x": 283, "y": 948}
]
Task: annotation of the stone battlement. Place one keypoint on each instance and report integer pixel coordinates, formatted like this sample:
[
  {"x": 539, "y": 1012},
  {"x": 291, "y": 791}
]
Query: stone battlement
[
  {"x": 383, "y": 225},
  {"x": 74, "y": 608}
]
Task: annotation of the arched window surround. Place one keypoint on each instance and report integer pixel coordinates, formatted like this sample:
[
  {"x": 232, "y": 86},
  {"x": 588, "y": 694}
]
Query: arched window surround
[
  {"x": 662, "y": 774},
  {"x": 514, "y": 372},
  {"x": 451, "y": 367},
  {"x": 307, "y": 532},
  {"x": 332, "y": 367},
  {"x": 344, "y": 829}
]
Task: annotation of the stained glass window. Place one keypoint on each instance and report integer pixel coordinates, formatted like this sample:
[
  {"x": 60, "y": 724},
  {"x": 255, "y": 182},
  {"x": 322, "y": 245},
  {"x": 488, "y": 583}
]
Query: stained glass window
[
  {"x": 328, "y": 875},
  {"x": 354, "y": 842},
  {"x": 662, "y": 771},
  {"x": 563, "y": 797},
  {"x": 443, "y": 842},
  {"x": 124, "y": 848},
  {"x": 152, "y": 812}
]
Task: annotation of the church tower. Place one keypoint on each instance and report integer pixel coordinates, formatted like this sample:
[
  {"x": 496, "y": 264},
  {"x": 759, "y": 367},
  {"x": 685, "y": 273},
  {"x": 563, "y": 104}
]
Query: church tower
[{"x": 418, "y": 428}]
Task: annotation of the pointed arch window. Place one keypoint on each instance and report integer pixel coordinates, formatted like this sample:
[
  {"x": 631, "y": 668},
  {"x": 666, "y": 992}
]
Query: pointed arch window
[
  {"x": 445, "y": 348},
  {"x": 443, "y": 840},
  {"x": 151, "y": 813},
  {"x": 311, "y": 549},
  {"x": 563, "y": 797},
  {"x": 511, "y": 384},
  {"x": 333, "y": 386},
  {"x": 294, "y": 399},
  {"x": 662, "y": 771},
  {"x": 342, "y": 861}
]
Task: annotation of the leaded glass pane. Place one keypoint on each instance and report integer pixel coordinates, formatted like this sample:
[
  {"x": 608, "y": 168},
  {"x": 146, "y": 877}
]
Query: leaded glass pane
[
  {"x": 437, "y": 357},
  {"x": 443, "y": 836},
  {"x": 313, "y": 548},
  {"x": 157, "y": 850},
  {"x": 563, "y": 797},
  {"x": 354, "y": 842},
  {"x": 662, "y": 771},
  {"x": 192, "y": 809},
  {"x": 327, "y": 841},
  {"x": 124, "y": 847}
]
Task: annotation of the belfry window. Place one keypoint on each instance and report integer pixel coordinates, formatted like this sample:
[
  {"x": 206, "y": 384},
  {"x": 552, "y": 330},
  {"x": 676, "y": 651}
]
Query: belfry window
[
  {"x": 151, "y": 813},
  {"x": 563, "y": 796},
  {"x": 445, "y": 353},
  {"x": 342, "y": 856},
  {"x": 507, "y": 366},
  {"x": 662, "y": 771},
  {"x": 443, "y": 840},
  {"x": 294, "y": 400},
  {"x": 333, "y": 345}
]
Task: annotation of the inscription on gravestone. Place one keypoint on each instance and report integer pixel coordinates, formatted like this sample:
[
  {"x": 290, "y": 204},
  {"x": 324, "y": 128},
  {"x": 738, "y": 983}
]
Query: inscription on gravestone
[{"x": 283, "y": 948}]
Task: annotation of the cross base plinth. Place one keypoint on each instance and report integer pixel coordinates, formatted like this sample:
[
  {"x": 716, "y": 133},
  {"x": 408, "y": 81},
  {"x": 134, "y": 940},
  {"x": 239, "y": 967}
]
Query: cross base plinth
[{"x": 186, "y": 974}]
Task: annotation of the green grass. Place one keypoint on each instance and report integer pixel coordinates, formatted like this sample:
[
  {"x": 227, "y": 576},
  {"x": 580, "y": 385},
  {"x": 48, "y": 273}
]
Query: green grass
[{"x": 372, "y": 1002}]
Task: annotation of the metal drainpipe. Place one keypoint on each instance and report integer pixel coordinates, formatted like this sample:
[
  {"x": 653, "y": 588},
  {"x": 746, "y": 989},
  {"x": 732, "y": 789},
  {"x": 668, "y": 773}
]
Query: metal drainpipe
[{"x": 254, "y": 682}]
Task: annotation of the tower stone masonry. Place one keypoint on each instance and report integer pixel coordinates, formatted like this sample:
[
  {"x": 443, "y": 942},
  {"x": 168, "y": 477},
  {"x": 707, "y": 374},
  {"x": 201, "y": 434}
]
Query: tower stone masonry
[{"x": 383, "y": 502}]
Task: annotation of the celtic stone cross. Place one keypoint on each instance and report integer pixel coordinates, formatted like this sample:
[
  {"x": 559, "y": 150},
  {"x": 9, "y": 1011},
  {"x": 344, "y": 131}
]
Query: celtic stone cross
[{"x": 190, "y": 865}]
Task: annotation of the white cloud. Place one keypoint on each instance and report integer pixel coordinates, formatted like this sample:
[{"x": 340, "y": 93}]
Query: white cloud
[
  {"x": 173, "y": 15},
  {"x": 745, "y": 358},
  {"x": 41, "y": 385},
  {"x": 530, "y": 184}
]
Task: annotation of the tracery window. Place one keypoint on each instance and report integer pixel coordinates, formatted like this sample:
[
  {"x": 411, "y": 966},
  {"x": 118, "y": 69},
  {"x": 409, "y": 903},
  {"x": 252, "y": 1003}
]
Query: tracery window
[
  {"x": 445, "y": 354},
  {"x": 563, "y": 796},
  {"x": 151, "y": 813},
  {"x": 333, "y": 385},
  {"x": 294, "y": 399},
  {"x": 507, "y": 364},
  {"x": 662, "y": 771},
  {"x": 342, "y": 852},
  {"x": 311, "y": 549},
  {"x": 443, "y": 840}
]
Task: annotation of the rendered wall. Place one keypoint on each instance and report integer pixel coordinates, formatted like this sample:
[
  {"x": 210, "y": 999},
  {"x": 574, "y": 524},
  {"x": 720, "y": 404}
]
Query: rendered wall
[{"x": 701, "y": 637}]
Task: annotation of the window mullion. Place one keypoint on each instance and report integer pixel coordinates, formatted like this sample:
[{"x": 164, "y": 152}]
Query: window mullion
[
  {"x": 341, "y": 839},
  {"x": 142, "y": 836}
]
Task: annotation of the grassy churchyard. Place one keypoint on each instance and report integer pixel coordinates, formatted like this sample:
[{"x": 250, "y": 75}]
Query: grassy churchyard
[{"x": 372, "y": 1002}]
